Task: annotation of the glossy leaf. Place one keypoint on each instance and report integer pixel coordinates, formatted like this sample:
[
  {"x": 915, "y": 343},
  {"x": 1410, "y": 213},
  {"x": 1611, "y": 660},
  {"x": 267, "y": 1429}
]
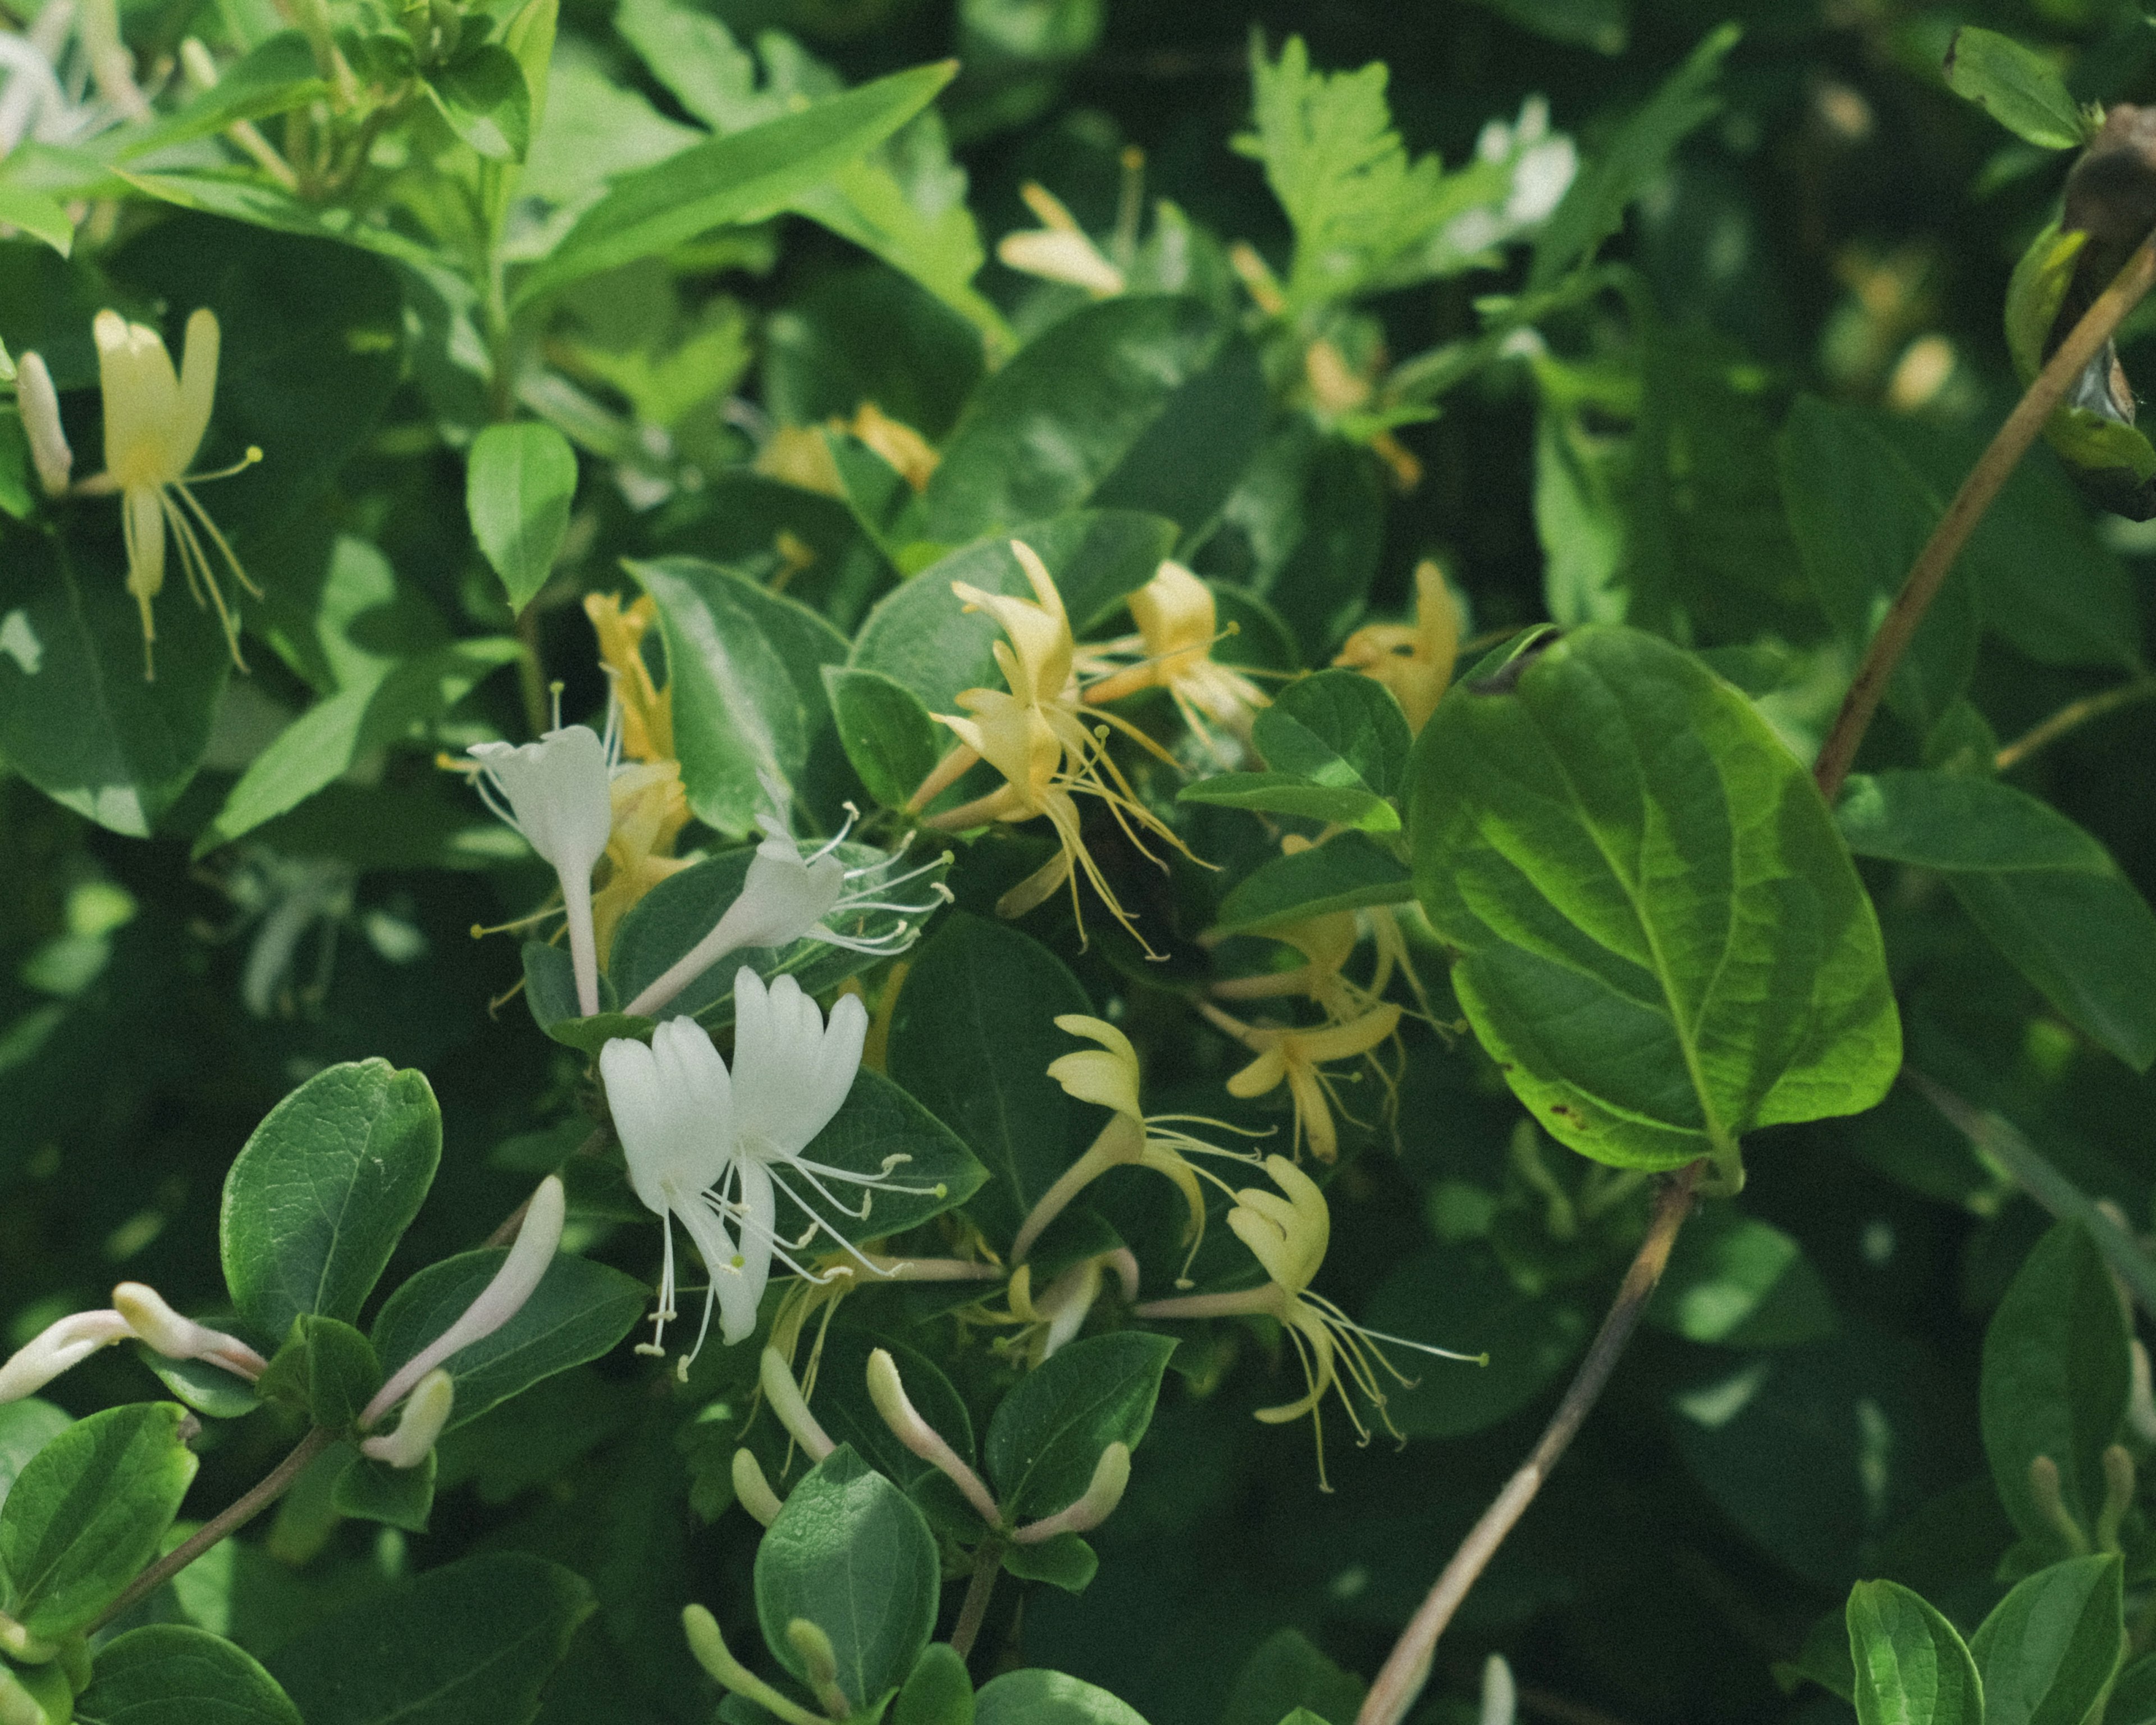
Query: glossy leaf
[
  {"x": 89, "y": 1511},
  {"x": 173, "y": 1674},
  {"x": 2056, "y": 1381},
  {"x": 1038, "y": 1698},
  {"x": 938, "y": 1690},
  {"x": 2048, "y": 1649},
  {"x": 1048, "y": 1433},
  {"x": 520, "y": 483},
  {"x": 324, "y": 1189},
  {"x": 851, "y": 1555},
  {"x": 1912, "y": 1668},
  {"x": 1346, "y": 872},
  {"x": 327, "y": 1372},
  {"x": 2017, "y": 86},
  {"x": 885, "y": 730},
  {"x": 26, "y": 1427},
  {"x": 1662, "y": 940}
]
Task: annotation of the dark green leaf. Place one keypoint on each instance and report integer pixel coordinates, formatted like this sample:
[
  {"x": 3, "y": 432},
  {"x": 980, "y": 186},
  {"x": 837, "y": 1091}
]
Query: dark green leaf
[
  {"x": 578, "y": 1312},
  {"x": 170, "y": 1674},
  {"x": 1741, "y": 1283},
  {"x": 850, "y": 1553},
  {"x": 375, "y": 1491},
  {"x": 1063, "y": 1560},
  {"x": 327, "y": 1371},
  {"x": 2050, "y": 1648},
  {"x": 885, "y": 730},
  {"x": 1346, "y": 872},
  {"x": 938, "y": 1692},
  {"x": 2017, "y": 87},
  {"x": 1662, "y": 939},
  {"x": 847, "y": 1414},
  {"x": 483, "y": 95},
  {"x": 519, "y": 486},
  {"x": 89, "y": 1511},
  {"x": 1037, "y": 1697},
  {"x": 1047, "y": 1435},
  {"x": 1911, "y": 1667},
  {"x": 1288, "y": 1672},
  {"x": 323, "y": 1191},
  {"x": 469, "y": 1643},
  {"x": 2056, "y": 1381}
]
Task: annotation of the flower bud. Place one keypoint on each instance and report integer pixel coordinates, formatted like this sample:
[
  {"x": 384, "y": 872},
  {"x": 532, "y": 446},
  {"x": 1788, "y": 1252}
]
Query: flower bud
[
  {"x": 1111, "y": 1476},
  {"x": 888, "y": 1393},
  {"x": 787, "y": 1402},
  {"x": 424, "y": 1416},
  {"x": 56, "y": 1348},
  {"x": 752, "y": 1491},
  {"x": 39, "y": 404}
]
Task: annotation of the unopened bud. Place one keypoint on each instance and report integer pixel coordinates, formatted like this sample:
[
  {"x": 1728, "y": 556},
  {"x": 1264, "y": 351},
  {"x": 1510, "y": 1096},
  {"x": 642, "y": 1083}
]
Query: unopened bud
[
  {"x": 2044, "y": 1487},
  {"x": 2117, "y": 1496},
  {"x": 423, "y": 1418},
  {"x": 196, "y": 62},
  {"x": 787, "y": 1402},
  {"x": 163, "y": 1329},
  {"x": 710, "y": 1651},
  {"x": 820, "y": 1662},
  {"x": 1500, "y": 1695},
  {"x": 1111, "y": 1476},
  {"x": 56, "y": 1348},
  {"x": 752, "y": 1491},
  {"x": 39, "y": 405},
  {"x": 888, "y": 1393}
]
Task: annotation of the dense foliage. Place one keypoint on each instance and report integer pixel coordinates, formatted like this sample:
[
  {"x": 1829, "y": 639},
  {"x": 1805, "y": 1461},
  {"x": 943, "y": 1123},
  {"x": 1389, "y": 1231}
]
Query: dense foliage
[{"x": 1083, "y": 737}]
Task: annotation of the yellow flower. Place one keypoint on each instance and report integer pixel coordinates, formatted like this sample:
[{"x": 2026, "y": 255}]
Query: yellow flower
[
  {"x": 798, "y": 456},
  {"x": 1327, "y": 943},
  {"x": 647, "y": 710},
  {"x": 650, "y": 809},
  {"x": 1298, "y": 1056},
  {"x": 1289, "y": 1236},
  {"x": 1058, "y": 1312},
  {"x": 1058, "y": 250},
  {"x": 904, "y": 450},
  {"x": 1415, "y": 663},
  {"x": 1177, "y": 622},
  {"x": 1035, "y": 734},
  {"x": 154, "y": 423},
  {"x": 1108, "y": 1075}
]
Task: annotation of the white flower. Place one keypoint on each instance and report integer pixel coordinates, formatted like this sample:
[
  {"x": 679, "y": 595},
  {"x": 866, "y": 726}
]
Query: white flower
[
  {"x": 424, "y": 1416},
  {"x": 138, "y": 1312},
  {"x": 39, "y": 405},
  {"x": 556, "y": 792},
  {"x": 789, "y": 896},
  {"x": 716, "y": 1149}
]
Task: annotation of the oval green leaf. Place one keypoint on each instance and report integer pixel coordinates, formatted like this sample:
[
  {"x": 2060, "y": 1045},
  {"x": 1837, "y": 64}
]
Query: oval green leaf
[
  {"x": 171, "y": 1674},
  {"x": 519, "y": 485},
  {"x": 1912, "y": 1667}
]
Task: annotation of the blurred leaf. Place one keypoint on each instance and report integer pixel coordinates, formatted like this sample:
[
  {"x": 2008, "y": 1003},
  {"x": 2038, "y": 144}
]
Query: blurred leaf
[
  {"x": 2017, "y": 87},
  {"x": 1911, "y": 1667},
  {"x": 518, "y": 490},
  {"x": 843, "y": 1525},
  {"x": 2048, "y": 1649},
  {"x": 1598, "y": 24},
  {"x": 26, "y": 1427},
  {"x": 323, "y": 1190},
  {"x": 1048, "y": 1433},
  {"x": 1303, "y": 529},
  {"x": 272, "y": 77},
  {"x": 373, "y": 1490},
  {"x": 2055, "y": 1383},
  {"x": 39, "y": 216},
  {"x": 1612, "y": 838},
  {"x": 1740, "y": 1282},
  {"x": 1286, "y": 1673},
  {"x": 169, "y": 1673},
  {"x": 87, "y": 1512},
  {"x": 483, "y": 95},
  {"x": 1036, "y": 1698}
]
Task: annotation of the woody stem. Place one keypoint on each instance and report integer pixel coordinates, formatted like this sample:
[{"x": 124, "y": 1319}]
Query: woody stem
[{"x": 987, "y": 1561}]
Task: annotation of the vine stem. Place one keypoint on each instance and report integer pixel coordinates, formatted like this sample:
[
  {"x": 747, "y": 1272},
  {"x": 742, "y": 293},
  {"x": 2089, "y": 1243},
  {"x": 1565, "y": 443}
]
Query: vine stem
[
  {"x": 1408, "y": 1666},
  {"x": 236, "y": 1516},
  {"x": 987, "y": 1561},
  {"x": 1928, "y": 573},
  {"x": 2072, "y": 717}
]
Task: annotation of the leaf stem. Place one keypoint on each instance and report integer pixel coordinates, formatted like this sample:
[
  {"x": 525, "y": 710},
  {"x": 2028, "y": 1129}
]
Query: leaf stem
[
  {"x": 236, "y": 1516},
  {"x": 2072, "y": 716},
  {"x": 1408, "y": 1666},
  {"x": 1928, "y": 573},
  {"x": 988, "y": 1560}
]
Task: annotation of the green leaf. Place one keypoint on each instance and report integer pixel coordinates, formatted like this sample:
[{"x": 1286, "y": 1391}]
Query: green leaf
[
  {"x": 39, "y": 216},
  {"x": 1287, "y": 1673},
  {"x": 208, "y": 1389},
  {"x": 2050, "y": 1648},
  {"x": 171, "y": 1674},
  {"x": 324, "y": 1189},
  {"x": 1345, "y": 873},
  {"x": 922, "y": 637},
  {"x": 1078, "y": 415},
  {"x": 327, "y": 1371},
  {"x": 878, "y": 1120},
  {"x": 849, "y": 1416},
  {"x": 26, "y": 1427},
  {"x": 483, "y": 95},
  {"x": 2055, "y": 1380},
  {"x": 2133, "y": 1699},
  {"x": 663, "y": 925},
  {"x": 1662, "y": 939},
  {"x": 1631, "y": 161},
  {"x": 1046, "y": 1436},
  {"x": 375, "y": 1491},
  {"x": 333, "y": 736},
  {"x": 1860, "y": 513},
  {"x": 272, "y": 77},
  {"x": 89, "y": 1511},
  {"x": 885, "y": 730},
  {"x": 519, "y": 486},
  {"x": 1737, "y": 1282},
  {"x": 1602, "y": 25},
  {"x": 971, "y": 1039},
  {"x": 744, "y": 177},
  {"x": 939, "y": 1692},
  {"x": 1038, "y": 1698},
  {"x": 77, "y": 719},
  {"x": 579, "y": 1310},
  {"x": 1062, "y": 1560},
  {"x": 2017, "y": 87},
  {"x": 850, "y": 1553},
  {"x": 1912, "y": 1667},
  {"x": 471, "y": 1643},
  {"x": 1337, "y": 728},
  {"x": 2047, "y": 893},
  {"x": 745, "y": 671},
  {"x": 1286, "y": 794}
]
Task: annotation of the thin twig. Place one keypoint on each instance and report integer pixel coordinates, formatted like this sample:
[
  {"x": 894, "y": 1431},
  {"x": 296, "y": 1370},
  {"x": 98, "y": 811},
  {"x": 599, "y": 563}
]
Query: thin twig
[
  {"x": 1928, "y": 573},
  {"x": 1408, "y": 1666},
  {"x": 237, "y": 1515},
  {"x": 987, "y": 1561},
  {"x": 2071, "y": 716}
]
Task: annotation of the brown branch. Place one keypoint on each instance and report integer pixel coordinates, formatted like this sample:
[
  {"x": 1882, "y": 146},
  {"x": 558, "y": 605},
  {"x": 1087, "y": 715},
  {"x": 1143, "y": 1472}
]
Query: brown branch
[
  {"x": 273, "y": 1486},
  {"x": 1408, "y": 1667},
  {"x": 1928, "y": 573}
]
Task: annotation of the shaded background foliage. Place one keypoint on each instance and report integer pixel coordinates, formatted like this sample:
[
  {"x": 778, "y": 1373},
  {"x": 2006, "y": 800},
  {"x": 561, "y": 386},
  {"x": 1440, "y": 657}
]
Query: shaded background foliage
[{"x": 1844, "y": 226}]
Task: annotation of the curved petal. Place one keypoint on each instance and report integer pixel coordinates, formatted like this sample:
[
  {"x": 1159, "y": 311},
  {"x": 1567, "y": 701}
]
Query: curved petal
[
  {"x": 741, "y": 1288},
  {"x": 197, "y": 390},
  {"x": 1108, "y": 1076},
  {"x": 792, "y": 1072}
]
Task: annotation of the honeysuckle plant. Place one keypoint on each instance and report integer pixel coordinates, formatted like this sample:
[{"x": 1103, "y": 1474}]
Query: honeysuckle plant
[{"x": 1618, "y": 831}]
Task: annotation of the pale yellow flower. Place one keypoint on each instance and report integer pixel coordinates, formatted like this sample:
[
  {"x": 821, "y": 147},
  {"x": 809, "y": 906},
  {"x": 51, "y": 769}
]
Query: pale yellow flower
[
  {"x": 1298, "y": 1056},
  {"x": 1415, "y": 661},
  {"x": 1179, "y": 622},
  {"x": 650, "y": 808},
  {"x": 1058, "y": 250},
  {"x": 647, "y": 710}
]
